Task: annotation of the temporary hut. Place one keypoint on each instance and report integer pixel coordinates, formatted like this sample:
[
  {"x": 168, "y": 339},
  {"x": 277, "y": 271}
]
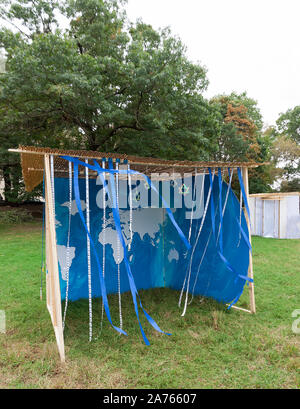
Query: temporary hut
[
  {"x": 275, "y": 215},
  {"x": 117, "y": 223}
]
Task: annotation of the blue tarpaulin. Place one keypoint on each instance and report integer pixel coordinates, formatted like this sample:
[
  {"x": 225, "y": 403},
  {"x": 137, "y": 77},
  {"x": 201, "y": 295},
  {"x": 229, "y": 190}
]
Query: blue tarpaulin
[{"x": 158, "y": 257}]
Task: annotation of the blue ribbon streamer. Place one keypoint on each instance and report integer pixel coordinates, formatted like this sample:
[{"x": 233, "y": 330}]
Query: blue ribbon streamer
[
  {"x": 236, "y": 299},
  {"x": 117, "y": 220},
  {"x": 245, "y": 236},
  {"x": 220, "y": 252},
  {"x": 116, "y": 215},
  {"x": 243, "y": 191},
  {"x": 115, "y": 210},
  {"x": 212, "y": 204},
  {"x": 103, "y": 288},
  {"x": 221, "y": 209}
]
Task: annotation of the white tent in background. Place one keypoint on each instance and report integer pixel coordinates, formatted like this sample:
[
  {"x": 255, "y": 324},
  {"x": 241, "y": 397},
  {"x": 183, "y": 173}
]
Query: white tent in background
[{"x": 275, "y": 215}]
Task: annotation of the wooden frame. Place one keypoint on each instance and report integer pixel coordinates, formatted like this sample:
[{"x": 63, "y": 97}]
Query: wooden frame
[
  {"x": 279, "y": 231},
  {"x": 52, "y": 281},
  {"x": 53, "y": 294},
  {"x": 250, "y": 269},
  {"x": 52, "y": 278}
]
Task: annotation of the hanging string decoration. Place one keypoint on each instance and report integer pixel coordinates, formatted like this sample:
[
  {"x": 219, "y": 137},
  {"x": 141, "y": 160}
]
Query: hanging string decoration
[
  {"x": 208, "y": 240},
  {"x": 87, "y": 194},
  {"x": 52, "y": 183},
  {"x": 68, "y": 263},
  {"x": 130, "y": 208},
  {"x": 43, "y": 241},
  {"x": 188, "y": 271},
  {"x": 118, "y": 249},
  {"x": 217, "y": 213},
  {"x": 240, "y": 216},
  {"x": 104, "y": 239},
  {"x": 193, "y": 205}
]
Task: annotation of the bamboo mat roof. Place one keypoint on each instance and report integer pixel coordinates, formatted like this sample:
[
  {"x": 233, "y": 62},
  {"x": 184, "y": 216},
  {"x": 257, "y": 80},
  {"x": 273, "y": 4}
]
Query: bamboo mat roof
[{"x": 32, "y": 160}]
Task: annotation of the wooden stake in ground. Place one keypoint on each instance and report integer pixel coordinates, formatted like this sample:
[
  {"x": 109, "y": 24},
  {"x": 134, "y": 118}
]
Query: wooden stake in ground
[{"x": 250, "y": 269}]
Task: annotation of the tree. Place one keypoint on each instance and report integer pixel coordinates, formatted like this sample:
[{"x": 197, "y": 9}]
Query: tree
[
  {"x": 286, "y": 154},
  {"x": 241, "y": 124},
  {"x": 241, "y": 137},
  {"x": 286, "y": 149},
  {"x": 290, "y": 185},
  {"x": 101, "y": 83},
  {"x": 288, "y": 123}
]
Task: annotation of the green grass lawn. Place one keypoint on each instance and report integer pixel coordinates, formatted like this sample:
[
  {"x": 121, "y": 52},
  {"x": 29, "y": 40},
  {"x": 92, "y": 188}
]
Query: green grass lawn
[{"x": 209, "y": 347}]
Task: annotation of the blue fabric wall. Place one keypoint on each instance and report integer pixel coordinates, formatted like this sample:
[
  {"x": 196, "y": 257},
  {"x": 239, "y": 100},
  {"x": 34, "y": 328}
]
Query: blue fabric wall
[
  {"x": 158, "y": 257},
  {"x": 214, "y": 278}
]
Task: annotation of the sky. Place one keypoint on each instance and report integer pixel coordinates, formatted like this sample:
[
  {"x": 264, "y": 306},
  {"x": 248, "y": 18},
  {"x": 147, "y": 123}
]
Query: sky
[{"x": 246, "y": 45}]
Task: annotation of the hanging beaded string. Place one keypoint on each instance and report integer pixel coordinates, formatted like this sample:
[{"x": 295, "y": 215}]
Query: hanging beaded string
[
  {"x": 52, "y": 182},
  {"x": 193, "y": 204},
  {"x": 87, "y": 194},
  {"x": 43, "y": 241},
  {"x": 274, "y": 230},
  {"x": 52, "y": 186},
  {"x": 104, "y": 239},
  {"x": 130, "y": 208},
  {"x": 196, "y": 242},
  {"x": 118, "y": 248},
  {"x": 68, "y": 245},
  {"x": 240, "y": 218}
]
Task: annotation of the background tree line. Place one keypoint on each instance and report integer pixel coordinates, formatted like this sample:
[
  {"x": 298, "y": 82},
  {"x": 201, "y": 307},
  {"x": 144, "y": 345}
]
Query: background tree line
[{"x": 77, "y": 74}]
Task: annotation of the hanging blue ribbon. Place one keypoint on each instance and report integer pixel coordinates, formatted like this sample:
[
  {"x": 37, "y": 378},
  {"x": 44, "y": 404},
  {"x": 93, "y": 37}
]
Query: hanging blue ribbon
[
  {"x": 116, "y": 215},
  {"x": 236, "y": 299},
  {"x": 220, "y": 252},
  {"x": 212, "y": 204},
  {"x": 245, "y": 236},
  {"x": 103, "y": 288},
  {"x": 117, "y": 220},
  {"x": 220, "y": 209},
  {"x": 243, "y": 191}
]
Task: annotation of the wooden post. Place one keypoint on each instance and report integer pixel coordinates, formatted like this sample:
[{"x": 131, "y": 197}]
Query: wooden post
[
  {"x": 262, "y": 217},
  {"x": 255, "y": 216},
  {"x": 53, "y": 286},
  {"x": 279, "y": 204},
  {"x": 250, "y": 269}
]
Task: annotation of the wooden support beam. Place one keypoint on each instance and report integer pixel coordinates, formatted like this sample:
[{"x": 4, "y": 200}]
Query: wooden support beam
[
  {"x": 263, "y": 217},
  {"x": 279, "y": 204},
  {"x": 255, "y": 216},
  {"x": 250, "y": 269},
  {"x": 240, "y": 309},
  {"x": 53, "y": 286}
]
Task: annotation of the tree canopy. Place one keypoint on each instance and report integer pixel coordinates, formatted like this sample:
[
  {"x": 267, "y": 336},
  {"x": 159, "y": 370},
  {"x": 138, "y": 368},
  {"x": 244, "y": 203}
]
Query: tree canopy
[
  {"x": 79, "y": 75},
  {"x": 101, "y": 83},
  {"x": 285, "y": 149}
]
